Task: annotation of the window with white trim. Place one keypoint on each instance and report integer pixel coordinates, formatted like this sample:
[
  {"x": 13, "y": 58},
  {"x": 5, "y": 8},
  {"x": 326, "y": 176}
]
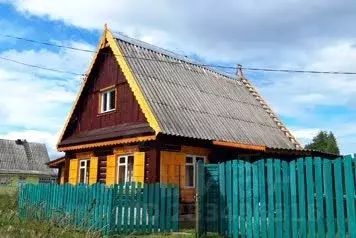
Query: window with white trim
[
  {"x": 84, "y": 168},
  {"x": 190, "y": 165},
  {"x": 125, "y": 169},
  {"x": 107, "y": 99}
]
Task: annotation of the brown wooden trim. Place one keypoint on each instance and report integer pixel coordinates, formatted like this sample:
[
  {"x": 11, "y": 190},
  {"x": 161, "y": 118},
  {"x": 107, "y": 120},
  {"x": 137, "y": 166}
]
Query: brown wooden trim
[
  {"x": 107, "y": 88},
  {"x": 55, "y": 163},
  {"x": 107, "y": 143},
  {"x": 192, "y": 150},
  {"x": 240, "y": 145},
  {"x": 84, "y": 155}
]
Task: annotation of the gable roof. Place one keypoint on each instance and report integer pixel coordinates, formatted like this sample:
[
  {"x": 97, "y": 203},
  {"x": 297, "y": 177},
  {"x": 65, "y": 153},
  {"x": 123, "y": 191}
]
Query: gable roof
[
  {"x": 22, "y": 157},
  {"x": 181, "y": 98}
]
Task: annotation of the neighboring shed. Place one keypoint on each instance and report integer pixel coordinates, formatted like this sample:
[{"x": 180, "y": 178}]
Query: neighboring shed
[{"x": 23, "y": 162}]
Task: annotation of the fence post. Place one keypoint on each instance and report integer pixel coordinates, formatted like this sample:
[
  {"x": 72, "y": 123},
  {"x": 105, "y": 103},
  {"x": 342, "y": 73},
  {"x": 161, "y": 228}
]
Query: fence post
[{"x": 199, "y": 199}]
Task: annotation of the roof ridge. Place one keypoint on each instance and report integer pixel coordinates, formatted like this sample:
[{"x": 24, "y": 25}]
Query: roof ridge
[{"x": 270, "y": 112}]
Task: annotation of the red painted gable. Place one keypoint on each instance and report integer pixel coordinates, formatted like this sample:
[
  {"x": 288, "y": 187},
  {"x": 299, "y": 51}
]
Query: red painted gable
[{"x": 86, "y": 118}]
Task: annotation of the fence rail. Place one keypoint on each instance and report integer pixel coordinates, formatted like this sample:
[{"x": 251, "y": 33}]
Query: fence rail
[
  {"x": 121, "y": 208},
  {"x": 307, "y": 197}
]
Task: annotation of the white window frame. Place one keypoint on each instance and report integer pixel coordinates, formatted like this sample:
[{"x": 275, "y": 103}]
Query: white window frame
[
  {"x": 125, "y": 165},
  {"x": 107, "y": 93},
  {"x": 85, "y": 167},
  {"x": 194, "y": 163}
]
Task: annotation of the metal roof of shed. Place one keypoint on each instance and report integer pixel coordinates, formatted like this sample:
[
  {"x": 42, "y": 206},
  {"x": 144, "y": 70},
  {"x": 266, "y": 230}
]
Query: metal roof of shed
[{"x": 23, "y": 158}]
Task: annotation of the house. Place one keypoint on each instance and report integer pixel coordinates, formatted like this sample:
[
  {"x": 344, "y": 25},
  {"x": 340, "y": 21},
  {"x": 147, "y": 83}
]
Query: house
[
  {"x": 147, "y": 115},
  {"x": 23, "y": 162}
]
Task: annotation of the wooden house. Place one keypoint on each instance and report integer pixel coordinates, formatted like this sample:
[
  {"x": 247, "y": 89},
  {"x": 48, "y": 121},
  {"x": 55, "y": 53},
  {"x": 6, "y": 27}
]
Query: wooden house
[
  {"x": 147, "y": 115},
  {"x": 23, "y": 162}
]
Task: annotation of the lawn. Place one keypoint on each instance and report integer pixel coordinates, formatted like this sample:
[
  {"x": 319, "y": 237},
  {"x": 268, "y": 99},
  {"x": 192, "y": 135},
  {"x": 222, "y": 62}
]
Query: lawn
[{"x": 12, "y": 226}]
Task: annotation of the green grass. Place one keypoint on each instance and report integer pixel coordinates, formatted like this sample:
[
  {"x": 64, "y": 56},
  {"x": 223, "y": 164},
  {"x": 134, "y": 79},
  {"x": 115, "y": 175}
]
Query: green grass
[{"x": 12, "y": 226}]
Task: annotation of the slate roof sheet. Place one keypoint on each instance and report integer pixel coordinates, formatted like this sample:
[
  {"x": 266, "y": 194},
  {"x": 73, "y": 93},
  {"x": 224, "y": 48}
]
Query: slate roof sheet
[
  {"x": 197, "y": 102},
  {"x": 24, "y": 158}
]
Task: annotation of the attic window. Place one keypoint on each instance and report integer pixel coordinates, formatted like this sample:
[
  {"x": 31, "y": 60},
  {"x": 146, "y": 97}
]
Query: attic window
[{"x": 107, "y": 100}]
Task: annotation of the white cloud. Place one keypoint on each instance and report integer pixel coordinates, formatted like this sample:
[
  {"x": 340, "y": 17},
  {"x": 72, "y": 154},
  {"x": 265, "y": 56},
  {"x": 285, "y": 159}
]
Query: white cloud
[
  {"x": 228, "y": 30},
  {"x": 34, "y": 102},
  {"x": 300, "y": 94},
  {"x": 317, "y": 35}
]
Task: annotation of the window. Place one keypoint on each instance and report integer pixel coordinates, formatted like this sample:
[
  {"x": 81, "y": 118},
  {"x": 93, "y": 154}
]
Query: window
[
  {"x": 4, "y": 181},
  {"x": 190, "y": 164},
  {"x": 125, "y": 169},
  {"x": 84, "y": 168},
  {"x": 107, "y": 100}
]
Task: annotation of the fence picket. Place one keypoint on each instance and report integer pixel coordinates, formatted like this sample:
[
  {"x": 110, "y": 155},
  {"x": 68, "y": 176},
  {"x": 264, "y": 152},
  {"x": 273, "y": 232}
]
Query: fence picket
[
  {"x": 222, "y": 206},
  {"x": 157, "y": 211},
  {"x": 242, "y": 197},
  {"x": 350, "y": 195},
  {"x": 132, "y": 205},
  {"x": 339, "y": 195},
  {"x": 144, "y": 208},
  {"x": 263, "y": 206},
  {"x": 310, "y": 196},
  {"x": 151, "y": 205},
  {"x": 168, "y": 218},
  {"x": 301, "y": 198},
  {"x": 162, "y": 196},
  {"x": 248, "y": 199},
  {"x": 319, "y": 197},
  {"x": 175, "y": 208},
  {"x": 270, "y": 192},
  {"x": 255, "y": 188},
  {"x": 329, "y": 195},
  {"x": 286, "y": 199},
  {"x": 278, "y": 197},
  {"x": 228, "y": 189},
  {"x": 235, "y": 203},
  {"x": 138, "y": 206}
]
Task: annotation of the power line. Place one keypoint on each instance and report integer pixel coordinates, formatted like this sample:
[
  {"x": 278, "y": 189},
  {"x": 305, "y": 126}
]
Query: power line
[
  {"x": 178, "y": 60},
  {"x": 298, "y": 71},
  {"x": 40, "y": 67}
]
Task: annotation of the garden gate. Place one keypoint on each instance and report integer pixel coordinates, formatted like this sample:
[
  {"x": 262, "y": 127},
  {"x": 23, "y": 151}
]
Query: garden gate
[{"x": 306, "y": 197}]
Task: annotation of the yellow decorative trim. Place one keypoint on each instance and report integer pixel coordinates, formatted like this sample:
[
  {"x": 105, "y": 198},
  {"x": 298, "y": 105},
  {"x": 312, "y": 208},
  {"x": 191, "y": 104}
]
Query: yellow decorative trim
[
  {"x": 195, "y": 150},
  {"x": 239, "y": 145},
  {"x": 107, "y": 143},
  {"x": 100, "y": 46},
  {"x": 132, "y": 82}
]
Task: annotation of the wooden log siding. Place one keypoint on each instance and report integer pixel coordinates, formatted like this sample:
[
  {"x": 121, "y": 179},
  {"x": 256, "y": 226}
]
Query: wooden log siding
[
  {"x": 106, "y": 72},
  {"x": 102, "y": 169}
]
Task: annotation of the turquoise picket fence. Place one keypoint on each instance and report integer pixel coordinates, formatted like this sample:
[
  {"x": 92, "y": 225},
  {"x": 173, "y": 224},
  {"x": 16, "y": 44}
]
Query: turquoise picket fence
[
  {"x": 122, "y": 208},
  {"x": 306, "y": 197}
]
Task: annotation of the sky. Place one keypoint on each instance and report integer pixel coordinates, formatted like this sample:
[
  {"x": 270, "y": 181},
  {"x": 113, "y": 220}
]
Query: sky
[{"x": 304, "y": 35}]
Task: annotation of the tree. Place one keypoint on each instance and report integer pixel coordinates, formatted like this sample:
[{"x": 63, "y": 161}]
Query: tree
[{"x": 325, "y": 142}]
